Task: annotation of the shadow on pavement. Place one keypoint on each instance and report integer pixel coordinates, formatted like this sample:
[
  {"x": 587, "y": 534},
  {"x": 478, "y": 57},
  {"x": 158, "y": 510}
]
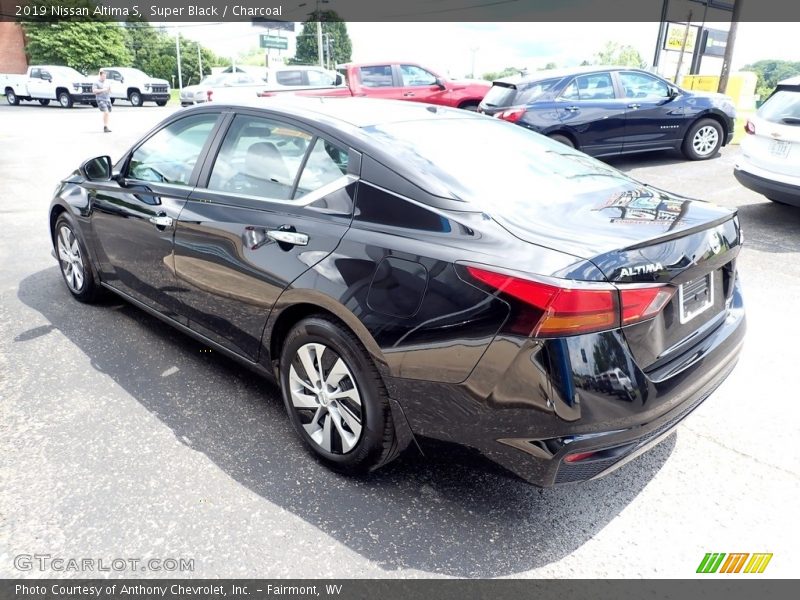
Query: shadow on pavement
[{"x": 432, "y": 515}]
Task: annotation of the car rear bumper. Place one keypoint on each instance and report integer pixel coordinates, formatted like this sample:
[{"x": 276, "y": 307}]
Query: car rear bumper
[
  {"x": 516, "y": 421},
  {"x": 772, "y": 189}
]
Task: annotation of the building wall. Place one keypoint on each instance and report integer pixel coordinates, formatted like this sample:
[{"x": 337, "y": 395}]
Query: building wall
[{"x": 12, "y": 48}]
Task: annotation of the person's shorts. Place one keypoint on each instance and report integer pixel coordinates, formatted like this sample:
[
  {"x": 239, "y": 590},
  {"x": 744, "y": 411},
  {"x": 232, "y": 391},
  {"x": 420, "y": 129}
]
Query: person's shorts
[{"x": 104, "y": 105}]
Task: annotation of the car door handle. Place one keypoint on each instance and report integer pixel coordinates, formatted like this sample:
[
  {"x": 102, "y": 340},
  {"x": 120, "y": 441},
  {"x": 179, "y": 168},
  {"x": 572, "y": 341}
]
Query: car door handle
[
  {"x": 634, "y": 105},
  {"x": 572, "y": 108},
  {"x": 288, "y": 237},
  {"x": 161, "y": 221},
  {"x": 408, "y": 94}
]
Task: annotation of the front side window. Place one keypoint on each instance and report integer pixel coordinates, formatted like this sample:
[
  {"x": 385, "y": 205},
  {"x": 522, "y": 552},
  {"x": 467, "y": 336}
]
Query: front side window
[
  {"x": 377, "y": 76},
  {"x": 259, "y": 157},
  {"x": 319, "y": 78},
  {"x": 416, "y": 76},
  {"x": 170, "y": 155},
  {"x": 640, "y": 85}
]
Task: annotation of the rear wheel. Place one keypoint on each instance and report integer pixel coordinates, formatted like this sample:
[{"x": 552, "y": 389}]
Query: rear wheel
[
  {"x": 65, "y": 100},
  {"x": 703, "y": 140},
  {"x": 135, "y": 98},
  {"x": 11, "y": 97},
  {"x": 44, "y": 101},
  {"x": 74, "y": 262},
  {"x": 562, "y": 139},
  {"x": 335, "y": 397}
]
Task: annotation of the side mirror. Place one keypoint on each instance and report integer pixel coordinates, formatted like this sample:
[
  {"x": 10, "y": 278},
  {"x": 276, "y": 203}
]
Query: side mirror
[
  {"x": 673, "y": 92},
  {"x": 440, "y": 83},
  {"x": 96, "y": 169},
  {"x": 121, "y": 79},
  {"x": 339, "y": 80}
]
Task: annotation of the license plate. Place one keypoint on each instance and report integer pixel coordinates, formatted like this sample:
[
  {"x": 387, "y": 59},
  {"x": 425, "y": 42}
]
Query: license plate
[
  {"x": 695, "y": 297},
  {"x": 779, "y": 148}
]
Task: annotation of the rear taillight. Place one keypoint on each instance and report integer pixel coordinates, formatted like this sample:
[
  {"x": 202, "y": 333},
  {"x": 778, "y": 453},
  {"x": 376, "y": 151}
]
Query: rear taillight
[
  {"x": 210, "y": 95},
  {"x": 512, "y": 114},
  {"x": 575, "y": 310},
  {"x": 749, "y": 127}
]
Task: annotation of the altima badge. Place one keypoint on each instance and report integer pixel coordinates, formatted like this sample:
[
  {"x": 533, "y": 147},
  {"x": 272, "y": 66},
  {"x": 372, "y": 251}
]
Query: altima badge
[{"x": 641, "y": 269}]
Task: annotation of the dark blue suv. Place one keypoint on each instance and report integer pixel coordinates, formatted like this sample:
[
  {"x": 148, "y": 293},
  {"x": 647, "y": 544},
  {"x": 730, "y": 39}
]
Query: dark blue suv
[{"x": 604, "y": 111}]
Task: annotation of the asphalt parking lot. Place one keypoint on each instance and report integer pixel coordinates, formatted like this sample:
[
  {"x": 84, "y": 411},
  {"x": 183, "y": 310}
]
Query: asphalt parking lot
[{"x": 120, "y": 438}]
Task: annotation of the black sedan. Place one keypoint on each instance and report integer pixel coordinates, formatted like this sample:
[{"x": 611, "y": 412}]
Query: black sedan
[
  {"x": 605, "y": 111},
  {"x": 418, "y": 275}
]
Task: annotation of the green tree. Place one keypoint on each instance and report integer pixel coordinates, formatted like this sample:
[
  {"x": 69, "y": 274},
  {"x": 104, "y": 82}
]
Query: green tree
[
  {"x": 769, "y": 72},
  {"x": 83, "y": 45},
  {"x": 548, "y": 66},
  {"x": 507, "y": 72},
  {"x": 614, "y": 53},
  {"x": 333, "y": 29}
]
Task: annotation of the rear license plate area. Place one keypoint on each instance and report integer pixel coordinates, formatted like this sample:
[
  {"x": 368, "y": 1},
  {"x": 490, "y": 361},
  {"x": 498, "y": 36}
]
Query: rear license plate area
[
  {"x": 779, "y": 148},
  {"x": 695, "y": 297}
]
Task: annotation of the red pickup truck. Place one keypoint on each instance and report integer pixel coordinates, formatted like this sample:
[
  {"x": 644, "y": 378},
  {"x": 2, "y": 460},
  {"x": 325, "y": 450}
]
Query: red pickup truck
[{"x": 401, "y": 81}]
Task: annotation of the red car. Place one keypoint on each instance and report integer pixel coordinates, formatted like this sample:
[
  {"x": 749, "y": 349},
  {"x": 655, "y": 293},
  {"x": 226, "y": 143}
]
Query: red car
[{"x": 402, "y": 81}]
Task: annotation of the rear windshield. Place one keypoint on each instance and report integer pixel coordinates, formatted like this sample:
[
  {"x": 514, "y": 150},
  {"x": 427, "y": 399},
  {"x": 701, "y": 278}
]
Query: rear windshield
[
  {"x": 521, "y": 93},
  {"x": 500, "y": 95},
  {"x": 498, "y": 165},
  {"x": 782, "y": 107}
]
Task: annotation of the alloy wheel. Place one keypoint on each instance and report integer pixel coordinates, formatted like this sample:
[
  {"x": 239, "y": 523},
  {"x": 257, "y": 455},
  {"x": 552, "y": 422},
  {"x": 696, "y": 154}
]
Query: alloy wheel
[
  {"x": 69, "y": 257},
  {"x": 705, "y": 140},
  {"x": 325, "y": 396}
]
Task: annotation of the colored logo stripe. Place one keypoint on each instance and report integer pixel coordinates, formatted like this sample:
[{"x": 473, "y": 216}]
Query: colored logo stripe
[{"x": 733, "y": 564}]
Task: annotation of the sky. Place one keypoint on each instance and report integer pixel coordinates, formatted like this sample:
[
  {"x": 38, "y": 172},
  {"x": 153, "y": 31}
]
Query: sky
[{"x": 450, "y": 48}]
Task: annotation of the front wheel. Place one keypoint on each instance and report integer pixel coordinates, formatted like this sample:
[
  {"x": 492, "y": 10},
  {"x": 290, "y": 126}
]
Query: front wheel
[
  {"x": 135, "y": 99},
  {"x": 703, "y": 140},
  {"x": 161, "y": 102},
  {"x": 65, "y": 100},
  {"x": 11, "y": 97},
  {"x": 74, "y": 262},
  {"x": 336, "y": 398}
]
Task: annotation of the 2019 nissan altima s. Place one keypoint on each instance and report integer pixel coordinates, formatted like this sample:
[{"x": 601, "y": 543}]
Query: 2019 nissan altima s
[
  {"x": 605, "y": 111},
  {"x": 416, "y": 273}
]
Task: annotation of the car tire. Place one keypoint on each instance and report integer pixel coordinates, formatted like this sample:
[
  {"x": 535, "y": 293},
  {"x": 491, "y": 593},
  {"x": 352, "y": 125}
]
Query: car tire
[
  {"x": 44, "y": 101},
  {"x": 161, "y": 102},
  {"x": 65, "y": 100},
  {"x": 73, "y": 262},
  {"x": 562, "y": 139},
  {"x": 135, "y": 98},
  {"x": 11, "y": 97},
  {"x": 112, "y": 100},
  {"x": 703, "y": 140},
  {"x": 352, "y": 432}
]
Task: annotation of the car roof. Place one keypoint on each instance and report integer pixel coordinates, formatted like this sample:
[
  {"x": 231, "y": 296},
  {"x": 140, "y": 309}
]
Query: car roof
[
  {"x": 355, "y": 112},
  {"x": 562, "y": 73},
  {"x": 792, "y": 81}
]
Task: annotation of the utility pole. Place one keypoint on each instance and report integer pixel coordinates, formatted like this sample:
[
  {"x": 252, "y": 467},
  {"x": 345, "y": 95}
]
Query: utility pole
[
  {"x": 683, "y": 47},
  {"x": 200, "y": 62},
  {"x": 178, "y": 53},
  {"x": 726, "y": 61}
]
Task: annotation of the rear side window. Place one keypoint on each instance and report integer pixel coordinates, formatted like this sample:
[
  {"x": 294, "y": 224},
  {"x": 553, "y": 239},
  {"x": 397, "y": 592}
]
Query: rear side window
[
  {"x": 293, "y": 77},
  {"x": 596, "y": 86},
  {"x": 259, "y": 157},
  {"x": 377, "y": 76},
  {"x": 782, "y": 107},
  {"x": 170, "y": 155},
  {"x": 532, "y": 91}
]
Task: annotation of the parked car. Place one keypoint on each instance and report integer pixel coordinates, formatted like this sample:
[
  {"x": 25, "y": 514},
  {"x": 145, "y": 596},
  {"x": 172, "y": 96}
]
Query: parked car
[
  {"x": 43, "y": 83},
  {"x": 605, "y": 111},
  {"x": 403, "y": 81},
  {"x": 367, "y": 255},
  {"x": 299, "y": 76},
  {"x": 616, "y": 382},
  {"x": 223, "y": 87},
  {"x": 136, "y": 86},
  {"x": 769, "y": 162}
]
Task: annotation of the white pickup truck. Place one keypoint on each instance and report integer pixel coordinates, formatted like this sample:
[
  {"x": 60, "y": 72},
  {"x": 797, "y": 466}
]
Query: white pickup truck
[
  {"x": 48, "y": 82},
  {"x": 136, "y": 86}
]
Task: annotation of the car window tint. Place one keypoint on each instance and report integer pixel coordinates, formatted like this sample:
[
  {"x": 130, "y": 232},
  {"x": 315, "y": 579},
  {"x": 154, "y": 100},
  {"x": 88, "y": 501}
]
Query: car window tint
[
  {"x": 414, "y": 76},
  {"x": 169, "y": 156},
  {"x": 259, "y": 157},
  {"x": 326, "y": 163},
  {"x": 319, "y": 78},
  {"x": 595, "y": 86},
  {"x": 377, "y": 76},
  {"x": 641, "y": 85},
  {"x": 784, "y": 104},
  {"x": 532, "y": 91},
  {"x": 293, "y": 77}
]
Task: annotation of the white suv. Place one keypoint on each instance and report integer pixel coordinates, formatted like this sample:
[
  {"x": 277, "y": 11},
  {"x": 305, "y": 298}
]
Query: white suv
[{"x": 769, "y": 162}]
